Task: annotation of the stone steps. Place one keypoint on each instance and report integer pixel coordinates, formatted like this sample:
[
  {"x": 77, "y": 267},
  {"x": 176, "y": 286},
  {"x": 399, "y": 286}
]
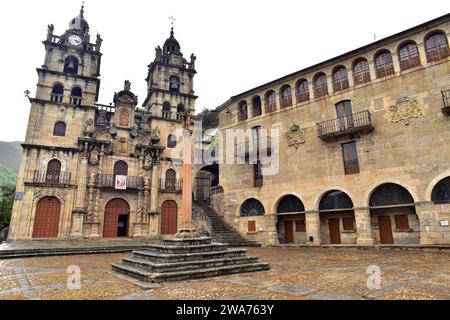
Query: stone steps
[
  {"x": 145, "y": 276},
  {"x": 184, "y": 259},
  {"x": 166, "y": 258},
  {"x": 191, "y": 265}
]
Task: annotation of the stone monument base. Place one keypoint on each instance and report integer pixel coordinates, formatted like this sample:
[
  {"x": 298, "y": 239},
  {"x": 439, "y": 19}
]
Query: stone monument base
[{"x": 180, "y": 259}]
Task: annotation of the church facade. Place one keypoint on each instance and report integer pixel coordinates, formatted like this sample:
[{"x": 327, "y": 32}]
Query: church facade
[
  {"x": 102, "y": 171},
  {"x": 362, "y": 142}
]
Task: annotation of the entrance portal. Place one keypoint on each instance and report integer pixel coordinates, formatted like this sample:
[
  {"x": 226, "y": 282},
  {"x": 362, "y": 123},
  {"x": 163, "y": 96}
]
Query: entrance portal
[{"x": 117, "y": 213}]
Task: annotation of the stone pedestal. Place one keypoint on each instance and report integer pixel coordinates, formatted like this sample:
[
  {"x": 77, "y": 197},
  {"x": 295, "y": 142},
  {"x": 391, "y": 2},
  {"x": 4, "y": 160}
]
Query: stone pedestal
[
  {"x": 180, "y": 259},
  {"x": 312, "y": 220},
  {"x": 364, "y": 228},
  {"x": 76, "y": 229},
  {"x": 138, "y": 231},
  {"x": 95, "y": 230}
]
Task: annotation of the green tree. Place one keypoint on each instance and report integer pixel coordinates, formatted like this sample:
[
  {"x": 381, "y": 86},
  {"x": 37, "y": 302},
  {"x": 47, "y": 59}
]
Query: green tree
[
  {"x": 6, "y": 205},
  {"x": 210, "y": 119}
]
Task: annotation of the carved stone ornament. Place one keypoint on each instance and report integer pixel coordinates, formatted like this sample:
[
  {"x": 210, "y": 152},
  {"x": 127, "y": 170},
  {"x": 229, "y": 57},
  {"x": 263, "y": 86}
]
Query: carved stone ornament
[
  {"x": 404, "y": 110},
  {"x": 60, "y": 194},
  {"x": 295, "y": 136},
  {"x": 89, "y": 128},
  {"x": 134, "y": 133},
  {"x": 124, "y": 118},
  {"x": 94, "y": 158}
]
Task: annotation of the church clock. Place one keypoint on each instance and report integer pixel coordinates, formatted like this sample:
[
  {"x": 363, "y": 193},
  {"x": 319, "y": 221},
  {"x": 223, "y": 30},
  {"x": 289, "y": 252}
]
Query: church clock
[{"x": 75, "y": 40}]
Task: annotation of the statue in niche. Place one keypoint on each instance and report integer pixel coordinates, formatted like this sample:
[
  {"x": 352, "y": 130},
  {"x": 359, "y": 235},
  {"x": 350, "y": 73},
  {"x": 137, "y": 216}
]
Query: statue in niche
[
  {"x": 147, "y": 163},
  {"x": 89, "y": 128},
  {"x": 93, "y": 159}
]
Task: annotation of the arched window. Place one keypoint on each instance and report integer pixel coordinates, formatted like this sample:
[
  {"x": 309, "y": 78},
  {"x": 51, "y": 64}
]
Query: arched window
[
  {"x": 286, "y": 96},
  {"x": 75, "y": 96},
  {"x": 59, "y": 130},
  {"x": 171, "y": 141},
  {"x": 320, "y": 85},
  {"x": 390, "y": 194},
  {"x": 361, "y": 72},
  {"x": 171, "y": 180},
  {"x": 166, "y": 110},
  {"x": 408, "y": 55},
  {"x": 441, "y": 192},
  {"x": 53, "y": 172},
  {"x": 57, "y": 93},
  {"x": 336, "y": 200},
  {"x": 436, "y": 46},
  {"x": 271, "y": 103},
  {"x": 257, "y": 106},
  {"x": 121, "y": 168},
  {"x": 290, "y": 204},
  {"x": 340, "y": 79},
  {"x": 174, "y": 84},
  {"x": 243, "y": 111},
  {"x": 71, "y": 65},
  {"x": 383, "y": 64},
  {"x": 180, "y": 111},
  {"x": 252, "y": 208},
  {"x": 302, "y": 91}
]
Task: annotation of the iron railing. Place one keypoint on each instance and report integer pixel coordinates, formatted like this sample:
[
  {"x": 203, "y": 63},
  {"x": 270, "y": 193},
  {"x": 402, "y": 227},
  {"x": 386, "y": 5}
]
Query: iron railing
[
  {"x": 170, "y": 186},
  {"x": 109, "y": 181},
  {"x": 286, "y": 102},
  {"x": 42, "y": 177},
  {"x": 217, "y": 190},
  {"x": 271, "y": 107},
  {"x": 345, "y": 125}
]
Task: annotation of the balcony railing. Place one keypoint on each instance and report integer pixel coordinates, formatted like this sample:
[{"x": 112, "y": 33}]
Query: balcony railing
[
  {"x": 76, "y": 101},
  {"x": 271, "y": 107},
  {"x": 171, "y": 186},
  {"x": 255, "y": 144},
  {"x": 58, "y": 98},
  {"x": 109, "y": 181},
  {"x": 345, "y": 125},
  {"x": 42, "y": 177},
  {"x": 286, "y": 102},
  {"x": 446, "y": 101}
]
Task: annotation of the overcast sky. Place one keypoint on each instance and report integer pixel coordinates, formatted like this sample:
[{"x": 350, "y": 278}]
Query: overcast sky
[{"x": 239, "y": 44}]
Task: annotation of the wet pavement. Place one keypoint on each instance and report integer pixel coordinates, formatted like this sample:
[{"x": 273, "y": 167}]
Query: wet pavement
[{"x": 296, "y": 274}]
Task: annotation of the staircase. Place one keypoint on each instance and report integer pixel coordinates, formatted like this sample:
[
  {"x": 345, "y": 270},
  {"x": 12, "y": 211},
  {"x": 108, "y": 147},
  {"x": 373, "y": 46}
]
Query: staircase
[
  {"x": 187, "y": 259},
  {"x": 221, "y": 231}
]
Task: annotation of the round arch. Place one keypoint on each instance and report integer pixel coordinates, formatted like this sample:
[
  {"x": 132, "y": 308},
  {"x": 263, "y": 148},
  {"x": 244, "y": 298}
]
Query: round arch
[
  {"x": 289, "y": 204},
  {"x": 390, "y": 194},
  {"x": 433, "y": 184},
  {"x": 116, "y": 219},
  {"x": 46, "y": 218},
  {"x": 251, "y": 208},
  {"x": 371, "y": 190}
]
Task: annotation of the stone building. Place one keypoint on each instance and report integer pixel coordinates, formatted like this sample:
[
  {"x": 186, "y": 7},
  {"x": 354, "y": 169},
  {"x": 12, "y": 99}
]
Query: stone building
[
  {"x": 91, "y": 170},
  {"x": 363, "y": 148}
]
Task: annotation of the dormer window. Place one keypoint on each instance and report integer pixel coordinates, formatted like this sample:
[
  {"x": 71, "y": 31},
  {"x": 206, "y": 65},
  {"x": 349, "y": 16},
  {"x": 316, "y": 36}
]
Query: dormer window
[
  {"x": 174, "y": 84},
  {"x": 71, "y": 65}
]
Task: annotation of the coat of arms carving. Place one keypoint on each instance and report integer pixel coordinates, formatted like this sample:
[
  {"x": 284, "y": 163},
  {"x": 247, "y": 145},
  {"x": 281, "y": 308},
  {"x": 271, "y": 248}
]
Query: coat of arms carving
[
  {"x": 405, "y": 109},
  {"x": 295, "y": 136}
]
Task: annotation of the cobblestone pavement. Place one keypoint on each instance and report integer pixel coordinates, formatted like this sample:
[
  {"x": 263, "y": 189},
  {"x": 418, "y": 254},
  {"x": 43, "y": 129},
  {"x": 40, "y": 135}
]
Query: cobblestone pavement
[{"x": 296, "y": 274}]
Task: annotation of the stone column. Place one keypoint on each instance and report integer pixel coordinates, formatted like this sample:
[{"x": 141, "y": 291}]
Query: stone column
[
  {"x": 76, "y": 230},
  {"x": 312, "y": 220},
  {"x": 427, "y": 214},
  {"x": 187, "y": 181},
  {"x": 364, "y": 227},
  {"x": 271, "y": 229},
  {"x": 152, "y": 193},
  {"x": 82, "y": 182}
]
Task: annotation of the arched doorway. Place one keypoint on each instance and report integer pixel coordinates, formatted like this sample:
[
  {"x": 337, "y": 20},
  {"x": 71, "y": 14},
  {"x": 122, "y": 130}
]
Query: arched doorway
[
  {"x": 117, "y": 218},
  {"x": 169, "y": 218},
  {"x": 337, "y": 218},
  {"x": 393, "y": 215},
  {"x": 120, "y": 168},
  {"x": 53, "y": 172},
  {"x": 291, "y": 224},
  {"x": 206, "y": 178},
  {"x": 46, "y": 221}
]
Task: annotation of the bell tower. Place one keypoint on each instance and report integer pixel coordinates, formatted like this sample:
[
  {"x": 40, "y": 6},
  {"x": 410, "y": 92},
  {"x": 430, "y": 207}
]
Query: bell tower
[{"x": 170, "y": 82}]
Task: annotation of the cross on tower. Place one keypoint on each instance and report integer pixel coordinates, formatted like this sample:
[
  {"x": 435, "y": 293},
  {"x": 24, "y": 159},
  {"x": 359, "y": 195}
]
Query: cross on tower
[{"x": 173, "y": 21}]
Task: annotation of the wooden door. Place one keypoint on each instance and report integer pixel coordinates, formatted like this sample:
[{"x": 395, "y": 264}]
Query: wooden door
[
  {"x": 114, "y": 210},
  {"x": 335, "y": 232},
  {"x": 288, "y": 232},
  {"x": 384, "y": 224},
  {"x": 46, "y": 221},
  {"x": 345, "y": 115},
  {"x": 169, "y": 218}
]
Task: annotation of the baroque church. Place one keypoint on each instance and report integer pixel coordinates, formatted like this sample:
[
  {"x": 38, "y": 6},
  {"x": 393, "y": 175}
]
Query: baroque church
[{"x": 102, "y": 171}]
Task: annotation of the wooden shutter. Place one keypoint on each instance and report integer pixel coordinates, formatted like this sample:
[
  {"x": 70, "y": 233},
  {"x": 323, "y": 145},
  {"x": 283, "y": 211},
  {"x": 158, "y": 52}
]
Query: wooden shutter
[
  {"x": 348, "y": 224},
  {"x": 401, "y": 222},
  {"x": 252, "y": 226},
  {"x": 350, "y": 154}
]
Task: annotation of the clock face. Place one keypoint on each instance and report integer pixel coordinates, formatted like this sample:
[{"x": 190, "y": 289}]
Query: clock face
[{"x": 75, "y": 40}]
